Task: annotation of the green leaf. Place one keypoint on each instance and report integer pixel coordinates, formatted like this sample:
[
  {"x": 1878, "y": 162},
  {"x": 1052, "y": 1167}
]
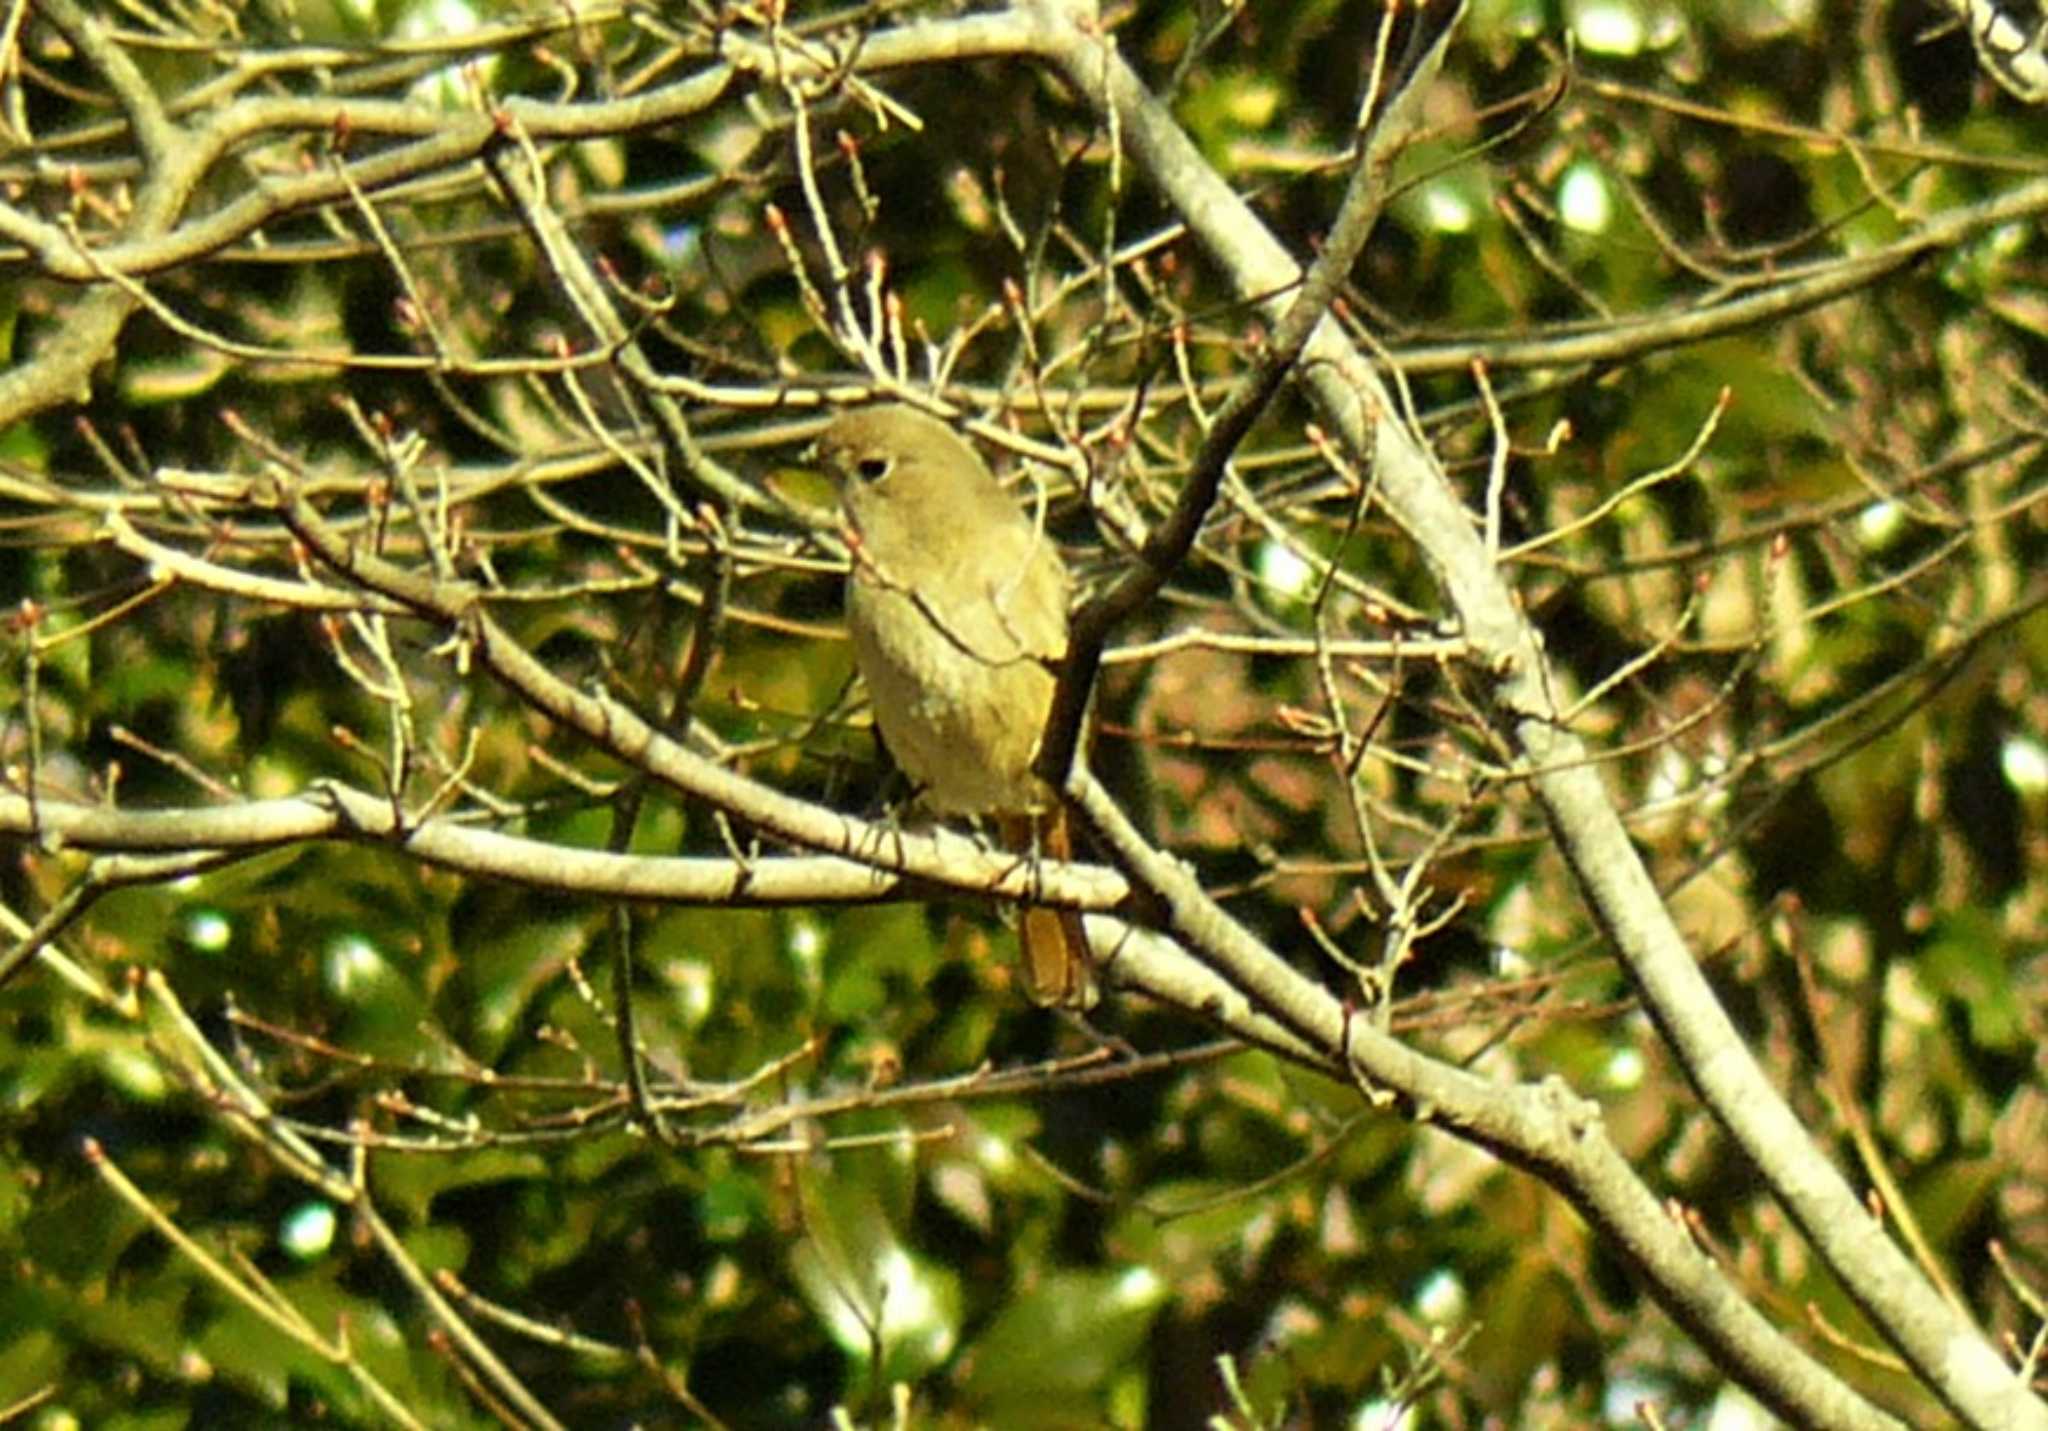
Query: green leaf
[
  {"x": 1066, "y": 1337},
  {"x": 1968, "y": 963}
]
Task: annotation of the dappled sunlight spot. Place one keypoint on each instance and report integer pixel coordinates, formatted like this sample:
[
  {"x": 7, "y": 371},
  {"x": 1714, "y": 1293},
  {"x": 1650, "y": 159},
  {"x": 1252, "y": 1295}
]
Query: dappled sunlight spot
[
  {"x": 1879, "y": 523},
  {"x": 962, "y": 1189},
  {"x": 1907, "y": 1000},
  {"x": 806, "y": 940},
  {"x": 135, "y": 1073},
  {"x": 1671, "y": 777},
  {"x": 354, "y": 966},
  {"x": 1283, "y": 571},
  {"x": 1441, "y": 1297},
  {"x": 208, "y": 930},
  {"x": 911, "y": 1309},
  {"x": 1139, "y": 1287},
  {"x": 914, "y": 1311},
  {"x": 307, "y": 1231},
  {"x": 1625, "y": 1070},
  {"x": 804, "y": 943},
  {"x": 695, "y": 986},
  {"x": 1447, "y": 209},
  {"x": 1381, "y": 1414},
  {"x": 1610, "y": 27},
  {"x": 683, "y": 243},
  {"x": 2024, "y": 761},
  {"x": 1626, "y": 1393},
  {"x": 1584, "y": 201}
]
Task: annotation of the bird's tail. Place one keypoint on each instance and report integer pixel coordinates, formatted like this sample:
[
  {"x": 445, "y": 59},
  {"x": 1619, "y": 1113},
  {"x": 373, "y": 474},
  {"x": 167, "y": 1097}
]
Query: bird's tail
[{"x": 1057, "y": 971}]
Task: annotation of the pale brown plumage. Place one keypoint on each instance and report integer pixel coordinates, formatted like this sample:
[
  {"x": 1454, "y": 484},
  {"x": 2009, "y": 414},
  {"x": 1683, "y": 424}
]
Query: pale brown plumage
[{"x": 957, "y": 606}]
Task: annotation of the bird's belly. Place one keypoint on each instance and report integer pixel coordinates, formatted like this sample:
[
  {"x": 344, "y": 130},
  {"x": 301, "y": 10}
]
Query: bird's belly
[{"x": 963, "y": 728}]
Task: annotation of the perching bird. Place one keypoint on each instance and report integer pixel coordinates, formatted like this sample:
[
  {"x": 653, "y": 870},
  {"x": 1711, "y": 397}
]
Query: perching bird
[{"x": 957, "y": 605}]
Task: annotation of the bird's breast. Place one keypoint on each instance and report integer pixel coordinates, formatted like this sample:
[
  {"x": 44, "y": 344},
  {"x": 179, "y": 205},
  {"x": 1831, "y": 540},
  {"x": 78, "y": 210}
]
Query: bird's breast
[{"x": 959, "y": 701}]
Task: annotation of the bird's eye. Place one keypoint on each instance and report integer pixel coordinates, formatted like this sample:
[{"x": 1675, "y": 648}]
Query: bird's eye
[{"x": 871, "y": 469}]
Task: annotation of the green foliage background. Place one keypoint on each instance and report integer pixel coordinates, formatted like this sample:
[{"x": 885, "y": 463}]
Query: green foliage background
[{"x": 1081, "y": 1248}]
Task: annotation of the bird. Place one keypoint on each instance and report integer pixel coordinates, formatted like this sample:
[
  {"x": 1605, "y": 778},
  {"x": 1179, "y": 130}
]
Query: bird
[{"x": 956, "y": 603}]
